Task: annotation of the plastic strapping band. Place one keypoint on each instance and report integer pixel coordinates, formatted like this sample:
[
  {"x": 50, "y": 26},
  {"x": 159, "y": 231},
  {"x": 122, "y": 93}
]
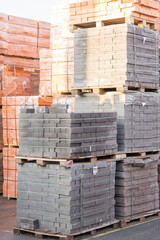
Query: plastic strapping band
[{"x": 81, "y": 198}]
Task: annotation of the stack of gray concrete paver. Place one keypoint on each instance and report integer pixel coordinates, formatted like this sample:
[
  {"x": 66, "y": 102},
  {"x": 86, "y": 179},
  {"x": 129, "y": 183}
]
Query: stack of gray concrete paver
[
  {"x": 159, "y": 180},
  {"x": 138, "y": 114},
  {"x": 66, "y": 200},
  {"x": 58, "y": 134},
  {"x": 71, "y": 200},
  {"x": 116, "y": 55},
  {"x": 137, "y": 190}
]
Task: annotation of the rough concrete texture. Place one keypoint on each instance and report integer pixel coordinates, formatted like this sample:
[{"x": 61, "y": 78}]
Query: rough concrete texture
[
  {"x": 116, "y": 55},
  {"x": 57, "y": 133},
  {"x": 146, "y": 231},
  {"x": 138, "y": 115},
  {"x": 159, "y": 180},
  {"x": 66, "y": 200},
  {"x": 137, "y": 190}
]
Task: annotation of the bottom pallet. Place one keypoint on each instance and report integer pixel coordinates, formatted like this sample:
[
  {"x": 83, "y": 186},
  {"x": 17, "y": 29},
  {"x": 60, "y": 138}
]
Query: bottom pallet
[
  {"x": 48, "y": 234},
  {"x": 139, "y": 218},
  {"x": 11, "y": 198}
]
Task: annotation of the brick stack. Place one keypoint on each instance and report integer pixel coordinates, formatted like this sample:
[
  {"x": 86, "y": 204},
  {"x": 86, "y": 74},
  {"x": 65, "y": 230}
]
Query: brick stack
[
  {"x": 20, "y": 42},
  {"x": 57, "y": 65},
  {"x": 59, "y": 134},
  {"x": 137, "y": 190},
  {"x": 113, "y": 12},
  {"x": 10, "y": 111},
  {"x": 45, "y": 86},
  {"x": 43, "y": 36},
  {"x": 159, "y": 180},
  {"x": 138, "y": 126},
  {"x": 19, "y": 62},
  {"x": 1, "y": 142},
  {"x": 23, "y": 37},
  {"x": 116, "y": 55},
  {"x": 134, "y": 64},
  {"x": 75, "y": 199},
  {"x": 18, "y": 81},
  {"x": 62, "y": 65},
  {"x": 9, "y": 172},
  {"x": 1, "y": 173}
]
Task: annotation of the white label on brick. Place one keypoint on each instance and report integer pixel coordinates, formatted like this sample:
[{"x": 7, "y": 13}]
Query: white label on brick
[{"x": 95, "y": 170}]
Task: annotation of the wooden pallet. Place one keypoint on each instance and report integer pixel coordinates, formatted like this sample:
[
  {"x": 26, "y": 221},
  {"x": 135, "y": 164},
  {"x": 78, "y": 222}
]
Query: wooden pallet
[
  {"x": 143, "y": 23},
  {"x": 59, "y": 93},
  {"x": 11, "y": 198},
  {"x": 106, "y": 22},
  {"x": 104, "y": 89},
  {"x": 42, "y": 161},
  {"x": 39, "y": 233},
  {"x": 46, "y": 234},
  {"x": 69, "y": 162},
  {"x": 142, "y": 153},
  {"x": 11, "y": 146},
  {"x": 139, "y": 218},
  {"x": 64, "y": 93}
]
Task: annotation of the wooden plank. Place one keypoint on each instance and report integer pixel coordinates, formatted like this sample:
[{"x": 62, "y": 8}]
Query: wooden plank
[
  {"x": 112, "y": 21},
  {"x": 43, "y": 233},
  {"x": 112, "y": 88},
  {"x": 141, "y": 218}
]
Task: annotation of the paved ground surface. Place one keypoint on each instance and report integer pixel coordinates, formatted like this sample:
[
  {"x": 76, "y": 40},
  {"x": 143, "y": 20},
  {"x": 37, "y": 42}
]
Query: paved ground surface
[{"x": 149, "y": 230}]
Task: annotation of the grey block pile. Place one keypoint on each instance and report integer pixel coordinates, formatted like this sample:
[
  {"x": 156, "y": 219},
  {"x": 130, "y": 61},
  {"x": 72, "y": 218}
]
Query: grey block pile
[
  {"x": 159, "y": 180},
  {"x": 58, "y": 134},
  {"x": 66, "y": 200},
  {"x": 137, "y": 189},
  {"x": 116, "y": 55},
  {"x": 138, "y": 117}
]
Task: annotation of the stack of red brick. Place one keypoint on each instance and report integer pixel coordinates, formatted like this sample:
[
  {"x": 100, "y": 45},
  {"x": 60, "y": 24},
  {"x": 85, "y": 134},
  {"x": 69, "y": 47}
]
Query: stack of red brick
[
  {"x": 23, "y": 37},
  {"x": 10, "y": 112},
  {"x": 19, "y": 81},
  {"x": 20, "y": 43},
  {"x": 57, "y": 68},
  {"x": 45, "y": 87},
  {"x": 93, "y": 10},
  {"x": 145, "y": 12},
  {"x": 57, "y": 64}
]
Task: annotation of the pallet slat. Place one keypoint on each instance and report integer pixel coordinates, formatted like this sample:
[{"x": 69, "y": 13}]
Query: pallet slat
[
  {"x": 81, "y": 160},
  {"x": 43, "y": 233}
]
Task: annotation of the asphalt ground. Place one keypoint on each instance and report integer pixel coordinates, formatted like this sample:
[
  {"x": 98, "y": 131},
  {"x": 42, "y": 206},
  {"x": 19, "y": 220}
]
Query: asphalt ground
[{"x": 149, "y": 230}]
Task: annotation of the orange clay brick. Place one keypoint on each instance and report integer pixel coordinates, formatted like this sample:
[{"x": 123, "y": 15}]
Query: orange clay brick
[
  {"x": 10, "y": 115},
  {"x": 18, "y": 81},
  {"x": 10, "y": 189}
]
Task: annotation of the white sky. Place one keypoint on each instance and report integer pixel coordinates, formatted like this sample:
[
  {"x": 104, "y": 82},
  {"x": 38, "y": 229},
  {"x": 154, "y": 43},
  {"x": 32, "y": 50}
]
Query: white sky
[{"x": 33, "y": 9}]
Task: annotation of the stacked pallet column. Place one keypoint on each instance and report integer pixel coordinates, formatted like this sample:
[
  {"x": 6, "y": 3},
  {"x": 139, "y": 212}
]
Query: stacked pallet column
[
  {"x": 20, "y": 42},
  {"x": 91, "y": 13},
  {"x": 57, "y": 64},
  {"x": 67, "y": 198},
  {"x": 116, "y": 69},
  {"x": 11, "y": 110},
  {"x": 137, "y": 190},
  {"x": 124, "y": 58}
]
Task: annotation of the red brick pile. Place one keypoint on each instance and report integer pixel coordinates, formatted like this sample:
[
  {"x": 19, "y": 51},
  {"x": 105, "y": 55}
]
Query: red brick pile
[{"x": 20, "y": 43}]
